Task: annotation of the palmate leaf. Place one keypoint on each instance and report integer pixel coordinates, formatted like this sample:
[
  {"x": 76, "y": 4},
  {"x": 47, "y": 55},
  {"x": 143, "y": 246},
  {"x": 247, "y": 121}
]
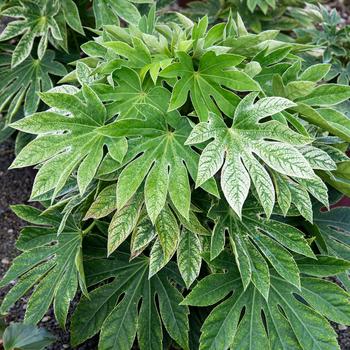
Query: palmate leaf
[
  {"x": 67, "y": 142},
  {"x": 256, "y": 242},
  {"x": 43, "y": 18},
  {"x": 212, "y": 81},
  {"x": 52, "y": 264},
  {"x": 128, "y": 92},
  {"x": 36, "y": 19},
  {"x": 164, "y": 161},
  {"x": 126, "y": 306},
  {"x": 289, "y": 319},
  {"x": 235, "y": 148},
  {"x": 23, "y": 82},
  {"x": 314, "y": 102},
  {"x": 138, "y": 55}
]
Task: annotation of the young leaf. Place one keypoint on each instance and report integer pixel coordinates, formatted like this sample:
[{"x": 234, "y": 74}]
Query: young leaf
[
  {"x": 215, "y": 73},
  {"x": 327, "y": 95},
  {"x": 108, "y": 12}
]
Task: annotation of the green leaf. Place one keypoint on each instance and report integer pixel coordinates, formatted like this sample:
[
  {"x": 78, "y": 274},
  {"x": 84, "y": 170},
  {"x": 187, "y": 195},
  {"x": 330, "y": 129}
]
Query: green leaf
[
  {"x": 26, "y": 337},
  {"x": 255, "y": 240},
  {"x": 39, "y": 19},
  {"x": 128, "y": 92},
  {"x": 332, "y": 238},
  {"x": 327, "y": 95},
  {"x": 284, "y": 321},
  {"x": 211, "y": 289},
  {"x": 126, "y": 306},
  {"x": 165, "y": 246},
  {"x": 22, "y": 83},
  {"x": 168, "y": 232},
  {"x": 138, "y": 55},
  {"x": 108, "y": 12},
  {"x": 65, "y": 143},
  {"x": 189, "y": 257},
  {"x": 212, "y": 80},
  {"x": 239, "y": 144},
  {"x": 327, "y": 296},
  {"x": 47, "y": 262},
  {"x": 104, "y": 204},
  {"x": 339, "y": 179},
  {"x": 315, "y": 72},
  {"x": 162, "y": 151},
  {"x": 123, "y": 222},
  {"x": 248, "y": 44},
  {"x": 325, "y": 266},
  {"x": 71, "y": 15},
  {"x": 326, "y": 118}
]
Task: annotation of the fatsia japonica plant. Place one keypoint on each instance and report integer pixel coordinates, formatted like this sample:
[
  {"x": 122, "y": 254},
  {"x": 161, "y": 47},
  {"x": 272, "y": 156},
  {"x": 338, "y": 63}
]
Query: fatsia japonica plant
[{"x": 184, "y": 177}]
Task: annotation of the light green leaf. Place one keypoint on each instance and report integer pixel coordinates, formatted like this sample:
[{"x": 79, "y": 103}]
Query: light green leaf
[
  {"x": 104, "y": 204},
  {"x": 241, "y": 142},
  {"x": 123, "y": 222},
  {"x": 65, "y": 143},
  {"x": 315, "y": 72},
  {"x": 327, "y": 95},
  {"x": 161, "y": 146}
]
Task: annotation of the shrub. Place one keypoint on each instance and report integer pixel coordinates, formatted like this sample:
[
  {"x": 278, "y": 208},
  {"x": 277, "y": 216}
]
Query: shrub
[{"x": 181, "y": 176}]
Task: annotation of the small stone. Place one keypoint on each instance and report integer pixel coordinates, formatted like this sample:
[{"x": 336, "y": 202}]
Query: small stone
[
  {"x": 5, "y": 261},
  {"x": 46, "y": 318},
  {"x": 342, "y": 327},
  {"x": 10, "y": 231},
  {"x": 65, "y": 346}
]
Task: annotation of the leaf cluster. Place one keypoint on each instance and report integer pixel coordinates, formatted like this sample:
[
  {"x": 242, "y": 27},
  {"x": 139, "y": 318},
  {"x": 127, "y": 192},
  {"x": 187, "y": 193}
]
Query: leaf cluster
[{"x": 184, "y": 178}]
